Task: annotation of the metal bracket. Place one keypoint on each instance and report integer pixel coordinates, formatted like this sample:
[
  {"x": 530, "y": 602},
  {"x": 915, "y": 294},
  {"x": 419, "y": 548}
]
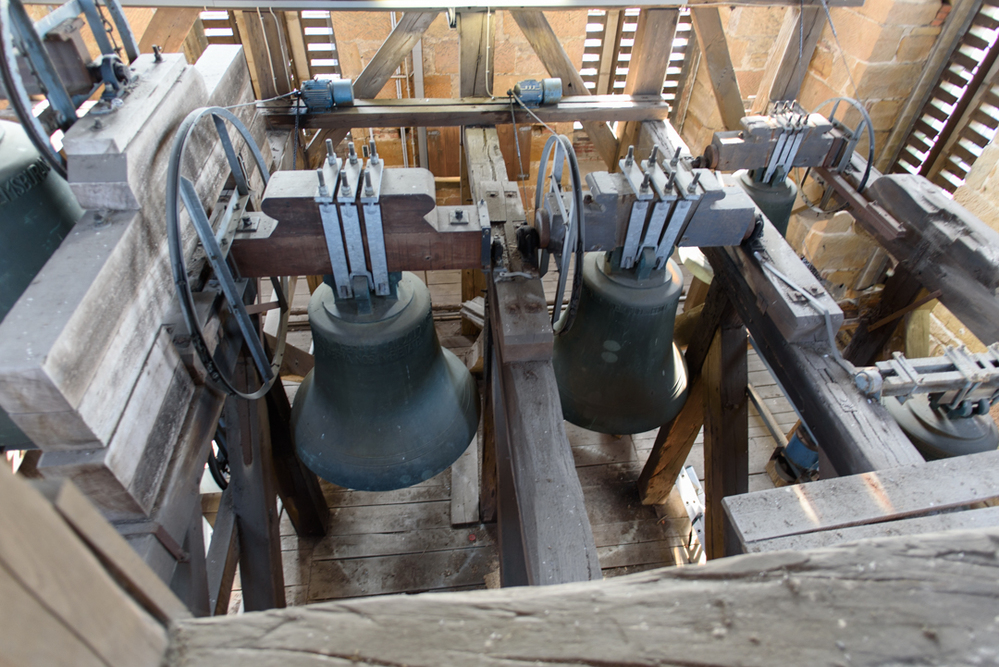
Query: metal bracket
[
  {"x": 350, "y": 184},
  {"x": 329, "y": 182},
  {"x": 679, "y": 193},
  {"x": 959, "y": 380},
  {"x": 640, "y": 181},
  {"x": 370, "y": 192}
]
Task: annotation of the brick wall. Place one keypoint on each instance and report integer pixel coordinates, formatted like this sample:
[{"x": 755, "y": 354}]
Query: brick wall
[{"x": 885, "y": 43}]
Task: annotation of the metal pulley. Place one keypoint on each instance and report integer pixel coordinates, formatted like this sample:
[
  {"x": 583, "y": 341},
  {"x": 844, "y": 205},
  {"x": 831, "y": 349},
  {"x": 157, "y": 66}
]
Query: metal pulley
[
  {"x": 559, "y": 219},
  {"x": 216, "y": 241}
]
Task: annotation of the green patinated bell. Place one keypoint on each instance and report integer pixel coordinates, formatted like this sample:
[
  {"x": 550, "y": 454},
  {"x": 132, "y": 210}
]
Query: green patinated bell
[
  {"x": 776, "y": 200},
  {"x": 617, "y": 367},
  {"x": 937, "y": 435},
  {"x": 37, "y": 211},
  {"x": 386, "y": 406}
]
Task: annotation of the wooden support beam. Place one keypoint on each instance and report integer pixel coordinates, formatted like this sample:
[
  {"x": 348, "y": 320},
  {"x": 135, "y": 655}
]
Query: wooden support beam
[
  {"x": 296, "y": 44},
  {"x": 545, "y": 533},
  {"x": 900, "y": 290},
  {"x": 870, "y": 498},
  {"x": 174, "y": 30},
  {"x": 119, "y": 559},
  {"x": 856, "y": 434},
  {"x": 476, "y": 33},
  {"x": 788, "y": 62},
  {"x": 301, "y": 496},
  {"x": 714, "y": 48},
  {"x": 265, "y": 31},
  {"x": 445, "y": 112},
  {"x": 944, "y": 245},
  {"x": 60, "y": 606},
  {"x": 649, "y": 60},
  {"x": 609, "y": 45},
  {"x": 190, "y": 578},
  {"x": 546, "y": 45},
  {"x": 254, "y": 497},
  {"x": 488, "y": 480},
  {"x": 726, "y": 432},
  {"x": 900, "y": 600},
  {"x": 419, "y": 236},
  {"x": 675, "y": 439},
  {"x": 223, "y": 555},
  {"x": 404, "y": 36}
]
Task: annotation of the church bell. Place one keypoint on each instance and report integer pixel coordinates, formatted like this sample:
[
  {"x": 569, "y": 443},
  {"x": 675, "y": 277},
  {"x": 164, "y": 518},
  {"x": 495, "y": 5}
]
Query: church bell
[
  {"x": 617, "y": 367},
  {"x": 386, "y": 406}
]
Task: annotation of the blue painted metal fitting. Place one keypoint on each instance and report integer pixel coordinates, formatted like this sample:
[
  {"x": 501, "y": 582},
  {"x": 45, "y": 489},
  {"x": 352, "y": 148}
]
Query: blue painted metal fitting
[
  {"x": 534, "y": 93},
  {"x": 323, "y": 95}
]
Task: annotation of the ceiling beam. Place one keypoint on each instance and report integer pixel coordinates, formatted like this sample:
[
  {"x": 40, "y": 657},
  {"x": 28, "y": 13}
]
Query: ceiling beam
[
  {"x": 714, "y": 50},
  {"x": 476, "y": 33},
  {"x": 788, "y": 62},
  {"x": 649, "y": 59},
  {"x": 467, "y": 111}
]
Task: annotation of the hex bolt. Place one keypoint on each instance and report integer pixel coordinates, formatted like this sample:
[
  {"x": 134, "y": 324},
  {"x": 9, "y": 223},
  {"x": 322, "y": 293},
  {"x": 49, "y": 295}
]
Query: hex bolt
[
  {"x": 351, "y": 153},
  {"x": 693, "y": 184},
  {"x": 330, "y": 156},
  {"x": 157, "y": 54},
  {"x": 368, "y": 189},
  {"x": 630, "y": 159},
  {"x": 322, "y": 182},
  {"x": 654, "y": 155},
  {"x": 373, "y": 151},
  {"x": 646, "y": 180},
  {"x": 676, "y": 158}
]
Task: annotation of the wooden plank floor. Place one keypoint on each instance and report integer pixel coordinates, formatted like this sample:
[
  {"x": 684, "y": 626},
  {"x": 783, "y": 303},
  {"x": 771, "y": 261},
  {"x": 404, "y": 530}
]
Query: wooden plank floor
[{"x": 403, "y": 542}]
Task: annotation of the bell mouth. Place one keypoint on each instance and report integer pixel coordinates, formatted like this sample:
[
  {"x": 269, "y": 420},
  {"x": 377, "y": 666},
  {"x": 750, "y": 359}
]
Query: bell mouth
[{"x": 382, "y": 307}]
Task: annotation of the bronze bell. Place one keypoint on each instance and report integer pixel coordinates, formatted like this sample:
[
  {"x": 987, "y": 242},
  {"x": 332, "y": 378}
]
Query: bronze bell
[
  {"x": 617, "y": 367},
  {"x": 386, "y": 406}
]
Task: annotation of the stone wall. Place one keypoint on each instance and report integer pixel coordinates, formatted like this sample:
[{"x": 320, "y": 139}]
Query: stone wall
[{"x": 884, "y": 45}]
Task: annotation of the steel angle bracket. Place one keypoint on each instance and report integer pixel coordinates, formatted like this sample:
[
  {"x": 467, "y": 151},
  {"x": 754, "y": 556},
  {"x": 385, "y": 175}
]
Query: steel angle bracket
[
  {"x": 641, "y": 184},
  {"x": 350, "y": 183},
  {"x": 329, "y": 177},
  {"x": 679, "y": 191},
  {"x": 370, "y": 192},
  {"x": 662, "y": 211}
]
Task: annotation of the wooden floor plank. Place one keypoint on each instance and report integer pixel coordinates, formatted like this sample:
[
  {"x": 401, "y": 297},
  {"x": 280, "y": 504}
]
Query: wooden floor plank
[
  {"x": 402, "y": 541},
  {"x": 397, "y": 544},
  {"x": 644, "y": 553},
  {"x": 369, "y": 519},
  {"x": 621, "y": 451},
  {"x": 872, "y": 497},
  {"x": 340, "y": 497},
  {"x": 986, "y": 517},
  {"x": 400, "y": 574},
  {"x": 628, "y": 532}
]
